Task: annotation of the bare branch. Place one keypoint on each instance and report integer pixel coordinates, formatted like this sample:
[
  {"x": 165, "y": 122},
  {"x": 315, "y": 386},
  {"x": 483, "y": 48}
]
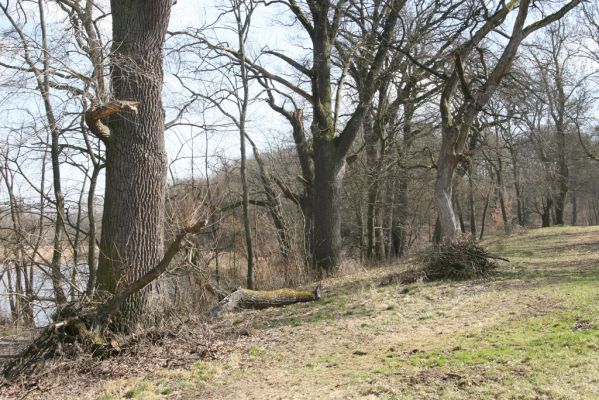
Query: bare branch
[{"x": 112, "y": 305}]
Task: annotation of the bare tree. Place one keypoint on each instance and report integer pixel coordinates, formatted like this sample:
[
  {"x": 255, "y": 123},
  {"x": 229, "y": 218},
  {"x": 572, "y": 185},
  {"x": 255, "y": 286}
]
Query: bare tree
[
  {"x": 456, "y": 125},
  {"x": 40, "y": 69}
]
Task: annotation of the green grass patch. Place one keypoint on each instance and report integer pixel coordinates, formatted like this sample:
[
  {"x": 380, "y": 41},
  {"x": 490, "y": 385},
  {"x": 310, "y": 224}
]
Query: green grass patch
[
  {"x": 533, "y": 355},
  {"x": 531, "y": 331}
]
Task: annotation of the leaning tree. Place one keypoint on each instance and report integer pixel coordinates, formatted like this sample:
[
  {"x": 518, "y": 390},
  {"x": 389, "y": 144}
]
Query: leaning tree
[{"x": 463, "y": 99}]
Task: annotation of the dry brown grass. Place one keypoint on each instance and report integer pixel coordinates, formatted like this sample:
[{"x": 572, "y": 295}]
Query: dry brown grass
[{"x": 530, "y": 332}]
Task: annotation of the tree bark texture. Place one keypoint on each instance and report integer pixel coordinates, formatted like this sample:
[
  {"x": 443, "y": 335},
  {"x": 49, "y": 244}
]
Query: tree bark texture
[
  {"x": 328, "y": 179},
  {"x": 258, "y": 299},
  {"x": 133, "y": 219},
  {"x": 446, "y": 165}
]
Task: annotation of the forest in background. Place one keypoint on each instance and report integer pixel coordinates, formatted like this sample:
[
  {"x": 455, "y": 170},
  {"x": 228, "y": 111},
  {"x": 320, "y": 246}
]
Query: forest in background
[{"x": 368, "y": 130}]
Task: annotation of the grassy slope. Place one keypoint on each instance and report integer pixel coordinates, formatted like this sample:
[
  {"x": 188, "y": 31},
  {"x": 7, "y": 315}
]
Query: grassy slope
[{"x": 531, "y": 332}]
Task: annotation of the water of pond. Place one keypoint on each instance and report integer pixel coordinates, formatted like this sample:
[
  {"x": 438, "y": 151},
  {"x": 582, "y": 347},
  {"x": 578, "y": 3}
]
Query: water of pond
[{"x": 42, "y": 284}]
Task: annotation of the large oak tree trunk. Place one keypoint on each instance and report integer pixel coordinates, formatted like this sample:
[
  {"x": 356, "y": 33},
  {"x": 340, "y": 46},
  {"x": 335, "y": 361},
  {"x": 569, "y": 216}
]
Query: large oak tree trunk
[
  {"x": 330, "y": 144},
  {"x": 132, "y": 223},
  {"x": 328, "y": 179},
  {"x": 328, "y": 167}
]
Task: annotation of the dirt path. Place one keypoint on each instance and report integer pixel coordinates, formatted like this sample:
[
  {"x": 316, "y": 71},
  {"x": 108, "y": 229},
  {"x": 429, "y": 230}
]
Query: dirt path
[
  {"x": 344, "y": 356},
  {"x": 531, "y": 332},
  {"x": 342, "y": 349}
]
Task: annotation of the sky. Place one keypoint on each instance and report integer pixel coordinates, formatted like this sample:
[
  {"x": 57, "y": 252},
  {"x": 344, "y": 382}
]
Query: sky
[
  {"x": 182, "y": 142},
  {"x": 189, "y": 13},
  {"x": 265, "y": 126}
]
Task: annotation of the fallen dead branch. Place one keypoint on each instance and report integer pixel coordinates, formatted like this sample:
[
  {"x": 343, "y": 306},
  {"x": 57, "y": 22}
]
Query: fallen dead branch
[{"x": 245, "y": 298}]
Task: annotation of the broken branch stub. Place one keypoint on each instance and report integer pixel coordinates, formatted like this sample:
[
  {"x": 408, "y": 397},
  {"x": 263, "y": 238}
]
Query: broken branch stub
[{"x": 93, "y": 116}]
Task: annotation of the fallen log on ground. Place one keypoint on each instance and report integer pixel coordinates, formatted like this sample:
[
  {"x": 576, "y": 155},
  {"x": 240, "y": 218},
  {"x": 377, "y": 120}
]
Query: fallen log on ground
[{"x": 257, "y": 299}]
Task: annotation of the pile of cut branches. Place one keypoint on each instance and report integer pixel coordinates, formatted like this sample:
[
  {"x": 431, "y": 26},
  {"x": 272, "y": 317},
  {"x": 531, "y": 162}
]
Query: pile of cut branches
[{"x": 457, "y": 260}]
